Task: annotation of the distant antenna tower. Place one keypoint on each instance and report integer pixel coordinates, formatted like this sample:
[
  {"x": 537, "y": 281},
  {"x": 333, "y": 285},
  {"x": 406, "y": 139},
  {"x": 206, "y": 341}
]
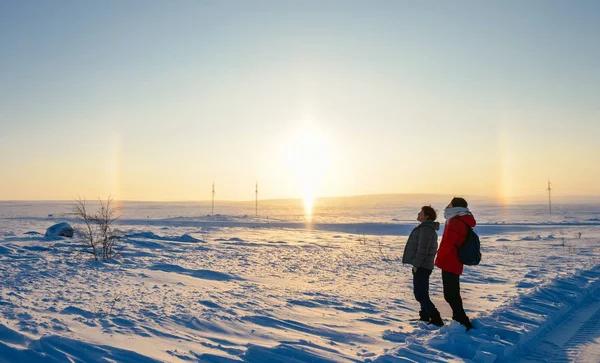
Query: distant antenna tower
[
  {"x": 256, "y": 200},
  {"x": 549, "y": 196},
  {"x": 213, "y": 199}
]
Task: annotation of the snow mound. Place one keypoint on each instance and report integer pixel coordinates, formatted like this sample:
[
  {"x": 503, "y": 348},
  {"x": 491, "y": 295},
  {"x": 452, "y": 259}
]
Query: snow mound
[
  {"x": 200, "y": 274},
  {"x": 187, "y": 238},
  {"x": 59, "y": 230},
  {"x": 150, "y": 235},
  {"x": 52, "y": 348},
  {"x": 529, "y": 238},
  {"x": 395, "y": 336}
]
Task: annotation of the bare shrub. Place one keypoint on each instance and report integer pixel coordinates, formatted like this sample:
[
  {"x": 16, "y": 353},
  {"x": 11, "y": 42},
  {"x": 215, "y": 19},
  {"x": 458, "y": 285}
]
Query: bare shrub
[
  {"x": 362, "y": 239},
  {"x": 88, "y": 228},
  {"x": 113, "y": 303},
  {"x": 383, "y": 254},
  {"x": 512, "y": 250},
  {"x": 105, "y": 217},
  {"x": 563, "y": 242},
  {"x": 105, "y": 308},
  {"x": 97, "y": 228}
]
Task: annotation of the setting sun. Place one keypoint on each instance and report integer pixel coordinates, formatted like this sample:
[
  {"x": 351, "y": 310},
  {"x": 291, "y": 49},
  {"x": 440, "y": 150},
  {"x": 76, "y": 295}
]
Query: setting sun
[{"x": 308, "y": 157}]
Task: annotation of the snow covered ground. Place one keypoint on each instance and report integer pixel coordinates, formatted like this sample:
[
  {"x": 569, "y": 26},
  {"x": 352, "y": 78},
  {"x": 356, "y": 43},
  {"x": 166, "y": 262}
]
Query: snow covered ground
[{"x": 188, "y": 287}]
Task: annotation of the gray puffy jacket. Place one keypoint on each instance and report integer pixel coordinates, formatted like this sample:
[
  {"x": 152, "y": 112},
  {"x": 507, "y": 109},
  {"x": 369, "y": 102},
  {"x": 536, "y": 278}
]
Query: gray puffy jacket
[{"x": 422, "y": 245}]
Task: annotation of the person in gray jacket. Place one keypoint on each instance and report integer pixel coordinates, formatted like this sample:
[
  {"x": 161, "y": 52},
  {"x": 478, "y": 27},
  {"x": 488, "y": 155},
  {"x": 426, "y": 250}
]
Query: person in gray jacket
[{"x": 419, "y": 252}]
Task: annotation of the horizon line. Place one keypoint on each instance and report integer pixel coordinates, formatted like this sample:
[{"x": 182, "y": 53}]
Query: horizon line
[{"x": 491, "y": 198}]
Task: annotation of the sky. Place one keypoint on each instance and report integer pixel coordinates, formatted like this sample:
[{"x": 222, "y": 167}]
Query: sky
[{"x": 155, "y": 100}]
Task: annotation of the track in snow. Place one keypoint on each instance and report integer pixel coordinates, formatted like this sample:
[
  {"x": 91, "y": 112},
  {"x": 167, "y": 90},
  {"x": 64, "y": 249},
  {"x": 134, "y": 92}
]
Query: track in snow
[{"x": 575, "y": 339}]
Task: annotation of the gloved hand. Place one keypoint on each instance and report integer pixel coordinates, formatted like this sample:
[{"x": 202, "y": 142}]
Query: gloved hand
[{"x": 414, "y": 270}]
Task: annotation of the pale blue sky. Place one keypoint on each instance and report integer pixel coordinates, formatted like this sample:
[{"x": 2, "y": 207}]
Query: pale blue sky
[{"x": 153, "y": 100}]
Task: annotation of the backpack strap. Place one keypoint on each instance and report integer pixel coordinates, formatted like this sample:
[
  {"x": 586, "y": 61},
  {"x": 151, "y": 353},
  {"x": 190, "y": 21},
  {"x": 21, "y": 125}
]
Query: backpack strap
[
  {"x": 465, "y": 223},
  {"x": 468, "y": 229}
]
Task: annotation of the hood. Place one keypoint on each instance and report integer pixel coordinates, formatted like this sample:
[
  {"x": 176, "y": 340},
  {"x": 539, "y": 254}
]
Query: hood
[
  {"x": 432, "y": 224},
  {"x": 468, "y": 219}
]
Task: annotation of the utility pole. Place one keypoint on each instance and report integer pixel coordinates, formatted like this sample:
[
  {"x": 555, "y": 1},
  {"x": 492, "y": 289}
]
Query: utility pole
[
  {"x": 213, "y": 199},
  {"x": 256, "y": 200},
  {"x": 549, "y": 196}
]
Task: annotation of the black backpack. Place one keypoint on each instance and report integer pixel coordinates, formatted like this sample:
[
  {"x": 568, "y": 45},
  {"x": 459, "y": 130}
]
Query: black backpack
[{"x": 469, "y": 253}]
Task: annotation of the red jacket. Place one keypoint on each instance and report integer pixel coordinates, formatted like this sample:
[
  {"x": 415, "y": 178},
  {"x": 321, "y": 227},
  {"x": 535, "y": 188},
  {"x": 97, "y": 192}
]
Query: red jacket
[{"x": 455, "y": 233}]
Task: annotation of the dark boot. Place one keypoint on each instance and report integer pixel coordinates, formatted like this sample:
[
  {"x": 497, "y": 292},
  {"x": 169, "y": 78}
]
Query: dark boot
[
  {"x": 423, "y": 316},
  {"x": 465, "y": 322},
  {"x": 436, "y": 320}
]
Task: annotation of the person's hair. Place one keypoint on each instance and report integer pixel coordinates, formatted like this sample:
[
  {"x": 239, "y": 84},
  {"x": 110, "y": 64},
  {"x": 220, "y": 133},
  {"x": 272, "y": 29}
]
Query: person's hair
[
  {"x": 458, "y": 202},
  {"x": 429, "y": 212}
]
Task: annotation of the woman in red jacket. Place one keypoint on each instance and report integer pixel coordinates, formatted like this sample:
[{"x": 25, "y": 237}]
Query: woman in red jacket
[{"x": 458, "y": 217}]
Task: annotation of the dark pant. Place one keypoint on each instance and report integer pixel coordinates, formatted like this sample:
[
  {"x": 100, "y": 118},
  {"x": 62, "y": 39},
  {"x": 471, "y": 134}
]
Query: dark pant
[
  {"x": 452, "y": 295},
  {"x": 421, "y": 289}
]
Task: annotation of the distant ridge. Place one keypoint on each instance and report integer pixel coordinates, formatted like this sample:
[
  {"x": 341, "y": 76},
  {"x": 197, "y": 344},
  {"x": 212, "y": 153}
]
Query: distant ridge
[{"x": 370, "y": 199}]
